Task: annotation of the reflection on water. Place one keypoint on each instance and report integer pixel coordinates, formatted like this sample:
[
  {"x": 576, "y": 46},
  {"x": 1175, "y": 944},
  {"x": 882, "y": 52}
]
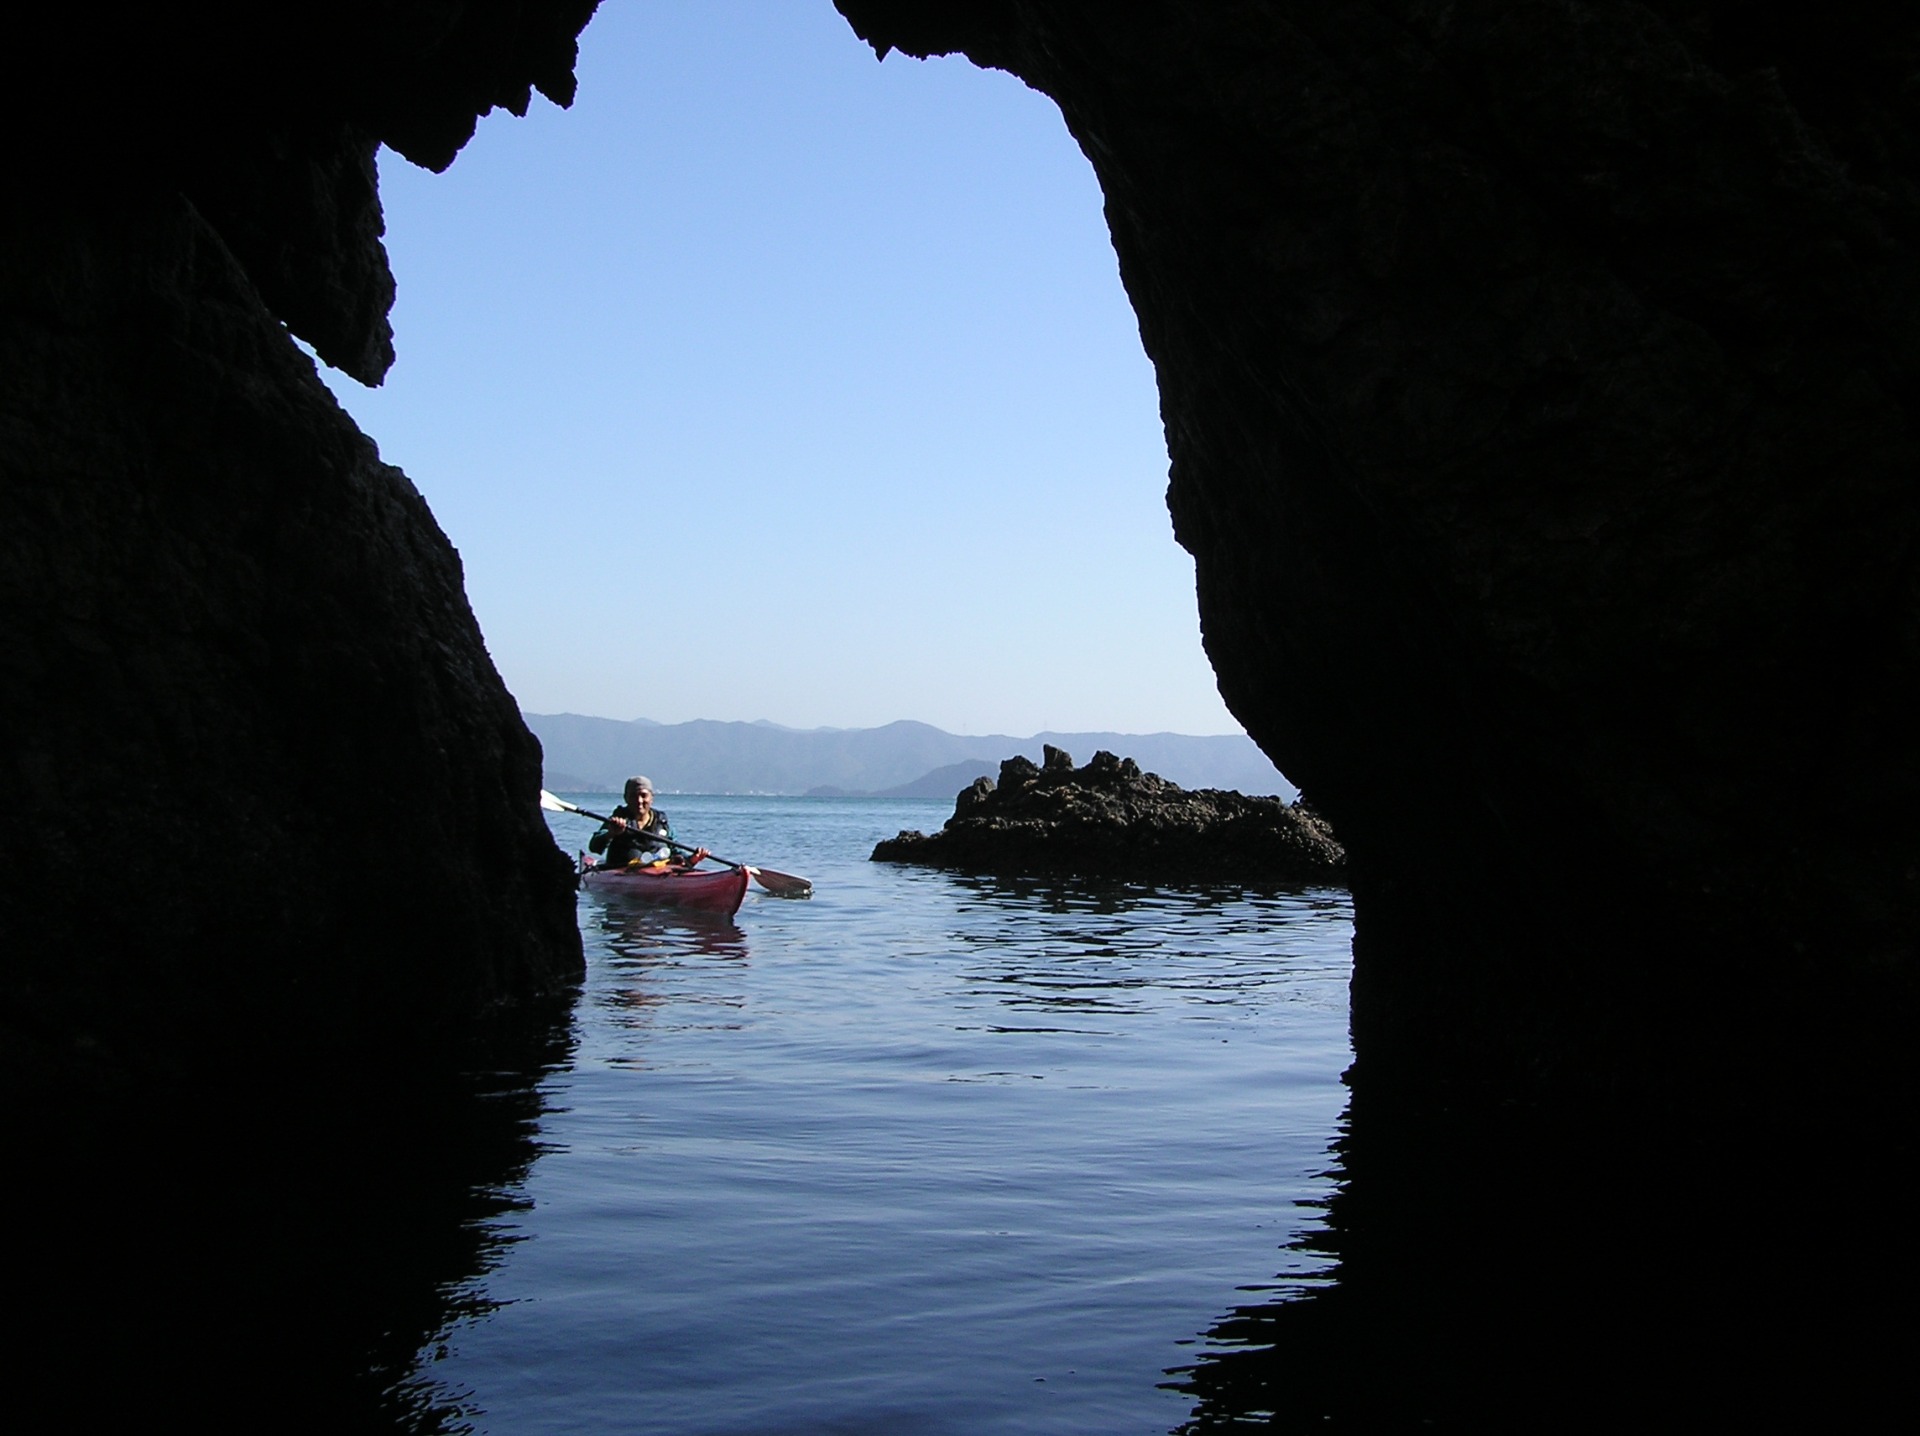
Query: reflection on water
[
  {"x": 1080, "y": 947},
  {"x": 942, "y": 1155},
  {"x": 276, "y": 1242},
  {"x": 656, "y": 968},
  {"x": 1505, "y": 1268},
  {"x": 948, "y": 1155},
  {"x": 922, "y": 1154},
  {"x": 640, "y": 932}
]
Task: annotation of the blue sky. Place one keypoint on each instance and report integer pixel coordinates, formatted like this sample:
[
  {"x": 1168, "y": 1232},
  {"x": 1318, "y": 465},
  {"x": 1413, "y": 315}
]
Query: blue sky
[{"x": 771, "y": 381}]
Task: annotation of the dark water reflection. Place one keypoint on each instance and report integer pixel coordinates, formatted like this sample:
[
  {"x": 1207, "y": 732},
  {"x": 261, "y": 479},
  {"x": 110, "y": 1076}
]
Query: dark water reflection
[
  {"x": 1078, "y": 947},
  {"x": 1500, "y": 1268},
  {"x": 942, "y": 1155},
  {"x": 274, "y": 1243}
]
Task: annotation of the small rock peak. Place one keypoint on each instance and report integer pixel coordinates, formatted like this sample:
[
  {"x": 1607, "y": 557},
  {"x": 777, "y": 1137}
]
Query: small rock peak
[
  {"x": 972, "y": 796},
  {"x": 1110, "y": 771},
  {"x": 1055, "y": 760},
  {"x": 1018, "y": 771}
]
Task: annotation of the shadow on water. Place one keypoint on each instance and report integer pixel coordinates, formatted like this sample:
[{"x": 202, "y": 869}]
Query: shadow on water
[
  {"x": 274, "y": 1242},
  {"x": 1494, "y": 1267}
]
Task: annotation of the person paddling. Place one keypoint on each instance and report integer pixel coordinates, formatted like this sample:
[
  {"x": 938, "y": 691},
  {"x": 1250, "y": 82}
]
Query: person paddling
[{"x": 625, "y": 836}]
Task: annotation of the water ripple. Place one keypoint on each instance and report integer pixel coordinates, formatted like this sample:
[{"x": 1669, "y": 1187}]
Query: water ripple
[{"x": 923, "y": 1153}]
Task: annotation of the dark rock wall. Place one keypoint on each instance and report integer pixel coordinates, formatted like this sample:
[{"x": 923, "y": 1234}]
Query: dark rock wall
[
  {"x": 265, "y": 790},
  {"x": 261, "y": 763},
  {"x": 267, "y": 121},
  {"x": 1539, "y": 381}
]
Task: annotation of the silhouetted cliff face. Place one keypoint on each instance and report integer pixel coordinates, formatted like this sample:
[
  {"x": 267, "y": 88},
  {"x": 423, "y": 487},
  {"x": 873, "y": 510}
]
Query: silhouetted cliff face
[
  {"x": 263, "y": 784},
  {"x": 1539, "y": 380},
  {"x": 266, "y": 119}
]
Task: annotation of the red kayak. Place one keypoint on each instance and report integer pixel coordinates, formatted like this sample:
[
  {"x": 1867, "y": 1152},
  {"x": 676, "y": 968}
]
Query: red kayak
[{"x": 712, "y": 890}]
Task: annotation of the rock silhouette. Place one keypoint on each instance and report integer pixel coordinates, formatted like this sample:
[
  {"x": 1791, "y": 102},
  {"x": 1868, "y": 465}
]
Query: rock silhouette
[
  {"x": 1109, "y": 819},
  {"x": 266, "y": 786},
  {"x": 271, "y": 860},
  {"x": 1539, "y": 381}
]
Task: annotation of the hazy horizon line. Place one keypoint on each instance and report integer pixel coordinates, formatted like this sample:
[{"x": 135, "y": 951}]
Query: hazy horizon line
[{"x": 874, "y": 727}]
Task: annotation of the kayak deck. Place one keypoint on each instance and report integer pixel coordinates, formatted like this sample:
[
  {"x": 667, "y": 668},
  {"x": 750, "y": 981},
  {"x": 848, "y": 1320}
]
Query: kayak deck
[{"x": 718, "y": 890}]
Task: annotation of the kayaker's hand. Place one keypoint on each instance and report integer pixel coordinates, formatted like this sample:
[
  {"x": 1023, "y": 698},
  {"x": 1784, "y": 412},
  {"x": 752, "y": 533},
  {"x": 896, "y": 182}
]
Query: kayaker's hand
[
  {"x": 700, "y": 855},
  {"x": 619, "y": 825}
]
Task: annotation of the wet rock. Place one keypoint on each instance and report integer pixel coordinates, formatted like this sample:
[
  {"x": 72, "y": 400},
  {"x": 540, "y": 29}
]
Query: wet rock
[{"x": 1110, "y": 819}]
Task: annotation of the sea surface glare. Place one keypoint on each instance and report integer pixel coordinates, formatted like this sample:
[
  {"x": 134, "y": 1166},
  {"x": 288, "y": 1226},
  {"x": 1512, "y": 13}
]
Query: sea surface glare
[{"x": 921, "y": 1154}]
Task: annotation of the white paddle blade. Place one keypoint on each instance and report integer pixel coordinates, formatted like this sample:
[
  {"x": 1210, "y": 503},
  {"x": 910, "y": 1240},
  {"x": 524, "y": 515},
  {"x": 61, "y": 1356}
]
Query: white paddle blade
[
  {"x": 782, "y": 884},
  {"x": 554, "y": 805}
]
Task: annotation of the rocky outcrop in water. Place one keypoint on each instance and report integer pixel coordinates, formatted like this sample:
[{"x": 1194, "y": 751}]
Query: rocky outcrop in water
[{"x": 1109, "y": 819}]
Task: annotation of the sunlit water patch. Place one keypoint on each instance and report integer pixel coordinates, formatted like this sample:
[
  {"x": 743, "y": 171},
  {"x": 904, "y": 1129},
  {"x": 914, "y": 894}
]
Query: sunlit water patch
[{"x": 924, "y": 1153}]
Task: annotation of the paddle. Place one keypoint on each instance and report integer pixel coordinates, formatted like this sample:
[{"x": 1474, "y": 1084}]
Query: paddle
[{"x": 779, "y": 884}]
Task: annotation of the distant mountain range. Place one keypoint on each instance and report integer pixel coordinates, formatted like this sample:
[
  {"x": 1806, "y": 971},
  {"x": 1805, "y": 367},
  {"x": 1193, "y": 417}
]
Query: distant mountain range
[{"x": 900, "y": 760}]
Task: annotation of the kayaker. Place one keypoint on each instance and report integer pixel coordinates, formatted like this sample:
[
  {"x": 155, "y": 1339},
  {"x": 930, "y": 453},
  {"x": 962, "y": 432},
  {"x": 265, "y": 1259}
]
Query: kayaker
[{"x": 624, "y": 837}]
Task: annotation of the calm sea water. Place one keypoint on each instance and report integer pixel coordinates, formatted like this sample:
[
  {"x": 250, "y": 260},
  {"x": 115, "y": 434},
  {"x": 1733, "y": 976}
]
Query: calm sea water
[{"x": 922, "y": 1154}]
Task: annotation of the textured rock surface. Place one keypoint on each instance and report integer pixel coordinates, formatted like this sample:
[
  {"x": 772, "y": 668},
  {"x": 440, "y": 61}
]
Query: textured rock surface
[
  {"x": 1539, "y": 381},
  {"x": 267, "y": 121},
  {"x": 1539, "y": 378},
  {"x": 265, "y": 789},
  {"x": 263, "y": 773},
  {"x": 270, "y": 841},
  {"x": 1109, "y": 819}
]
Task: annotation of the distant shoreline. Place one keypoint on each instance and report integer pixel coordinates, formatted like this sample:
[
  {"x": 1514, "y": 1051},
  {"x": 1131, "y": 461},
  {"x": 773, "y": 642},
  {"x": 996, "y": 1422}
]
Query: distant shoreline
[
  {"x": 904, "y": 759},
  {"x": 665, "y": 793}
]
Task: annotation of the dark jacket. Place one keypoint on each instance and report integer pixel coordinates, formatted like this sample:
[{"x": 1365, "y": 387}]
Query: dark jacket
[{"x": 623, "y": 846}]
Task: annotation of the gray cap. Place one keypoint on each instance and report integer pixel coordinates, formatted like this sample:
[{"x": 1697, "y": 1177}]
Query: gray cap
[{"x": 638, "y": 784}]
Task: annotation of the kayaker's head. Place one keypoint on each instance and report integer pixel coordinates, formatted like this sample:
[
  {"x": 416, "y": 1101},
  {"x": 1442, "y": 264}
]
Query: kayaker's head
[{"x": 639, "y": 794}]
